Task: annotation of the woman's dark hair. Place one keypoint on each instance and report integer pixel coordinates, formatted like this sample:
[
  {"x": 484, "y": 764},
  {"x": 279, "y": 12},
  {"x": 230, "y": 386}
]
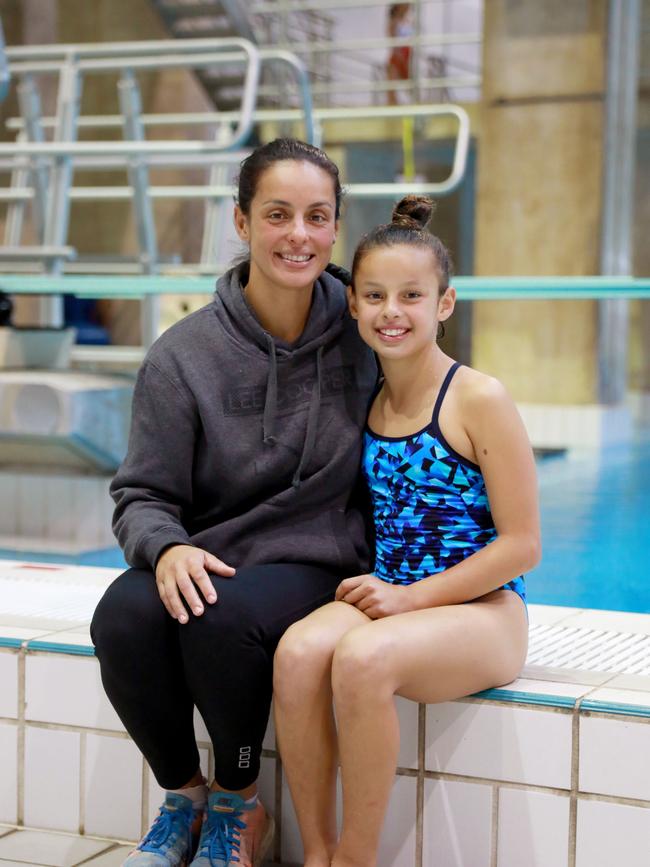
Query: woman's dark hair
[
  {"x": 263, "y": 157},
  {"x": 408, "y": 226}
]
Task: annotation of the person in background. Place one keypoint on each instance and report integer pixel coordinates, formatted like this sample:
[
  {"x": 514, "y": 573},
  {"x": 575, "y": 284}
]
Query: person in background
[{"x": 398, "y": 66}]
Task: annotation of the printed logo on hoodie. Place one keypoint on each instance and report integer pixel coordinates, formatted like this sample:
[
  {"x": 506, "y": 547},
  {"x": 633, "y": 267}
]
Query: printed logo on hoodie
[{"x": 249, "y": 400}]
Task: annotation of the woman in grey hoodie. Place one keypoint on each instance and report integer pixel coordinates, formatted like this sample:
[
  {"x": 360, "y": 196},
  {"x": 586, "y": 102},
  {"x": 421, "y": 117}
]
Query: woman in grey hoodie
[{"x": 235, "y": 506}]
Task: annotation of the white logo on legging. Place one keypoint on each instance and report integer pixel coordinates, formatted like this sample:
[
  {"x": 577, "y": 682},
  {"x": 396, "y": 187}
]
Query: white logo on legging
[{"x": 244, "y": 757}]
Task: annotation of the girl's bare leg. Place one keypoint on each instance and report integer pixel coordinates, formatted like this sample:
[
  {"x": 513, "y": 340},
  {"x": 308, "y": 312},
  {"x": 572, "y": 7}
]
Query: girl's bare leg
[
  {"x": 432, "y": 655},
  {"x": 304, "y": 722}
]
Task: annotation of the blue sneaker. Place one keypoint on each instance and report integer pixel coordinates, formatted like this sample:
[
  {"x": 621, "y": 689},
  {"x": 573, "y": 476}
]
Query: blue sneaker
[
  {"x": 233, "y": 833},
  {"x": 169, "y": 840}
]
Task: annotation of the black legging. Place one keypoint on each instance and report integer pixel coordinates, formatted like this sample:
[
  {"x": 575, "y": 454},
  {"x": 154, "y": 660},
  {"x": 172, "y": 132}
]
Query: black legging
[{"x": 154, "y": 670}]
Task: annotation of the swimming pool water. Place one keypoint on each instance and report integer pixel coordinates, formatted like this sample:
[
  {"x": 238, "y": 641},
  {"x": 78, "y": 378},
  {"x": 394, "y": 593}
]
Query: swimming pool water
[{"x": 595, "y": 510}]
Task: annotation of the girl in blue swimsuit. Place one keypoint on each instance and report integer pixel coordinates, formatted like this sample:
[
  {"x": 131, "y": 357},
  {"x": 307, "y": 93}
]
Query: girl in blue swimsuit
[{"x": 443, "y": 614}]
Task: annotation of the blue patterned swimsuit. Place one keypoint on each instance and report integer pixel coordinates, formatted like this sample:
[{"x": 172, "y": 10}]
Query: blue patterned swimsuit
[{"x": 430, "y": 504}]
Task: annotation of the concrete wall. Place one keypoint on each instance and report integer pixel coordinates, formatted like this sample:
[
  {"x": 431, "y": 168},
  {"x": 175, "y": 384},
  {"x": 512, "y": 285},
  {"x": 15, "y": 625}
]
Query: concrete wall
[{"x": 539, "y": 191}]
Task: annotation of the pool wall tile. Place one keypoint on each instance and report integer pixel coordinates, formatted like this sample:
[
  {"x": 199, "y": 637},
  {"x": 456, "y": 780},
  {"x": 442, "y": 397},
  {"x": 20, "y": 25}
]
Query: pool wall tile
[
  {"x": 500, "y": 743},
  {"x": 397, "y": 843},
  {"x": 546, "y": 687},
  {"x": 639, "y": 682},
  {"x": 9, "y": 775},
  {"x": 94, "y": 507},
  {"x": 52, "y": 767},
  {"x": 7, "y": 495},
  {"x": 491, "y": 771},
  {"x": 9, "y": 683},
  {"x": 29, "y": 507},
  {"x": 200, "y": 730},
  {"x": 612, "y": 834},
  {"x": 292, "y": 851},
  {"x": 615, "y": 758},
  {"x": 60, "y": 504},
  {"x": 407, "y": 714},
  {"x": 525, "y": 835},
  {"x": 112, "y": 765},
  {"x": 624, "y": 697},
  {"x": 67, "y": 689},
  {"x": 70, "y": 637},
  {"x": 269, "y": 736},
  {"x": 457, "y": 824}
]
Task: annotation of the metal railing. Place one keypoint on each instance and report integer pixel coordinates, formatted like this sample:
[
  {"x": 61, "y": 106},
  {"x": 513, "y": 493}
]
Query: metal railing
[
  {"x": 42, "y": 170},
  {"x": 359, "y": 29}
]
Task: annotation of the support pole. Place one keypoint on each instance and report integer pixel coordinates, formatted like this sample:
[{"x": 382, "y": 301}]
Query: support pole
[{"x": 618, "y": 191}]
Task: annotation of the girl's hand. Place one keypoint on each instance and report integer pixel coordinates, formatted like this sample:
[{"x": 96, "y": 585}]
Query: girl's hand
[
  {"x": 180, "y": 568},
  {"x": 376, "y": 598}
]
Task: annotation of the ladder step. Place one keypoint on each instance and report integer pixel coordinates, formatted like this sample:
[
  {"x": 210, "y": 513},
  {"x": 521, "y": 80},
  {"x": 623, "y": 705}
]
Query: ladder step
[
  {"x": 193, "y": 10},
  {"x": 25, "y": 253},
  {"x": 195, "y": 27}
]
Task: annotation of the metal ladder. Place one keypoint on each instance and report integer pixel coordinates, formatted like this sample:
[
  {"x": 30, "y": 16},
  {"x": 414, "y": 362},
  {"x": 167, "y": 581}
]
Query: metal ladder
[{"x": 42, "y": 171}]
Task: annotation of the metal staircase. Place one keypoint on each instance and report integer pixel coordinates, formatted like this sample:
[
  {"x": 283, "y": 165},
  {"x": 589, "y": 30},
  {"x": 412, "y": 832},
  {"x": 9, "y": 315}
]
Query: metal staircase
[
  {"x": 211, "y": 19},
  {"x": 218, "y": 19}
]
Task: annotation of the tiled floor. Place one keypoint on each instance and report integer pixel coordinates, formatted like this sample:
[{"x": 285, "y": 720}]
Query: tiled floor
[
  {"x": 45, "y": 849},
  {"x": 38, "y": 848},
  {"x": 24, "y": 848}
]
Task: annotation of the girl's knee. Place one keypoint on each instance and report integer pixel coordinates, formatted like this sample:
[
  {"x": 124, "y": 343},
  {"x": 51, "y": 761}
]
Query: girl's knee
[
  {"x": 303, "y": 652},
  {"x": 361, "y": 664}
]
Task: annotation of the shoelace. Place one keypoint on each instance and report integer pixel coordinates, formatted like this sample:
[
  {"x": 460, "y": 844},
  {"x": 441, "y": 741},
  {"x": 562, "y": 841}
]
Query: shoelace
[
  {"x": 223, "y": 838},
  {"x": 161, "y": 830}
]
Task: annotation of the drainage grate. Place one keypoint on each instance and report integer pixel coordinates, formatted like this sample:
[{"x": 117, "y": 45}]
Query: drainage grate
[
  {"x": 70, "y": 594},
  {"x": 589, "y": 649}
]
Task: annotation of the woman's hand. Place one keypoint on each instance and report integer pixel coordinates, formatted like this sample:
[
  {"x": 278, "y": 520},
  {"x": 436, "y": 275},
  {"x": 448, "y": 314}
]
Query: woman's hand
[
  {"x": 376, "y": 598},
  {"x": 180, "y": 568}
]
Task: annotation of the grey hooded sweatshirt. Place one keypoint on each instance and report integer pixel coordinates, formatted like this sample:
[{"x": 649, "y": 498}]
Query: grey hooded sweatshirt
[{"x": 247, "y": 446}]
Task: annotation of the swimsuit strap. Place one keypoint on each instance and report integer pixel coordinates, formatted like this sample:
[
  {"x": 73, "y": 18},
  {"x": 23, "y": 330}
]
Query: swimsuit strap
[{"x": 443, "y": 391}]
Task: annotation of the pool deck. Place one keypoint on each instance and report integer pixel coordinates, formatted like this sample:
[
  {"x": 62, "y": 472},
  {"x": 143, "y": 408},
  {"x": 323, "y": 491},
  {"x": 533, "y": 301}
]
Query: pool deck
[{"x": 567, "y": 743}]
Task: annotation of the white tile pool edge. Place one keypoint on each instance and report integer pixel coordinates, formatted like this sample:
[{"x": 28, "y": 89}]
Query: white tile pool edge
[{"x": 463, "y": 765}]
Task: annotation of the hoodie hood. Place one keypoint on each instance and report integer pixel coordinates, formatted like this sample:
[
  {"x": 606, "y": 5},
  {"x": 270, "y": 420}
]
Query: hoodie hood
[{"x": 327, "y": 317}]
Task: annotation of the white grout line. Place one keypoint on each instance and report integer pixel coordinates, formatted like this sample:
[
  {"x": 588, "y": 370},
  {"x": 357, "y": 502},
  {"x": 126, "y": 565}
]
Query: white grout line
[
  {"x": 20, "y": 793},
  {"x": 277, "y": 839},
  {"x": 419, "y": 789},
  {"x": 82, "y": 782},
  {"x": 575, "y": 783},
  {"x": 494, "y": 854}
]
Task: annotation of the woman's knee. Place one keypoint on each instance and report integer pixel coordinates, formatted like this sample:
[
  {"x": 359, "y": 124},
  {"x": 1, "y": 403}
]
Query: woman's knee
[{"x": 128, "y": 611}]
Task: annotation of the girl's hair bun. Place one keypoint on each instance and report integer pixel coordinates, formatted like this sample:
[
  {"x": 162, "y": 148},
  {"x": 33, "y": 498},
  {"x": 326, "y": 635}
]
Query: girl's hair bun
[{"x": 413, "y": 212}]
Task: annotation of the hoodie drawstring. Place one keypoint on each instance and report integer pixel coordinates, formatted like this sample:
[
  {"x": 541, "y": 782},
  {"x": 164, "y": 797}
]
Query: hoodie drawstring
[
  {"x": 271, "y": 400},
  {"x": 312, "y": 421}
]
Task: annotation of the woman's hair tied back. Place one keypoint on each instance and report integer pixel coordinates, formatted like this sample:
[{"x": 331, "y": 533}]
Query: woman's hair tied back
[{"x": 279, "y": 150}]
